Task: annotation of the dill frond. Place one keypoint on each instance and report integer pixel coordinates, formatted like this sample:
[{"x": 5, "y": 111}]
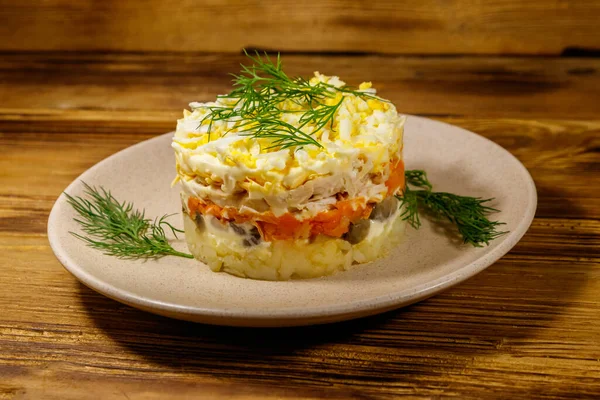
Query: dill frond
[
  {"x": 117, "y": 229},
  {"x": 468, "y": 214},
  {"x": 259, "y": 92}
]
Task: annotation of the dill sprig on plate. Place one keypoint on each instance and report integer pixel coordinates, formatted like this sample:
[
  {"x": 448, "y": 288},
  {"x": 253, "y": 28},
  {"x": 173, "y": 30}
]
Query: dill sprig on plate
[
  {"x": 469, "y": 214},
  {"x": 259, "y": 93},
  {"x": 117, "y": 229}
]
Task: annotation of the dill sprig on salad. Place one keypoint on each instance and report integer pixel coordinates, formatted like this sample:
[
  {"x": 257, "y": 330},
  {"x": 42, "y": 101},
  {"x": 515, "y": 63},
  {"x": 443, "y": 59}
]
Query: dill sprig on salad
[{"x": 254, "y": 105}]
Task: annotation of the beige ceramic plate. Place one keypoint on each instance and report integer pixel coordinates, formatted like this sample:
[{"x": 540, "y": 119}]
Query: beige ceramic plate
[{"x": 429, "y": 260}]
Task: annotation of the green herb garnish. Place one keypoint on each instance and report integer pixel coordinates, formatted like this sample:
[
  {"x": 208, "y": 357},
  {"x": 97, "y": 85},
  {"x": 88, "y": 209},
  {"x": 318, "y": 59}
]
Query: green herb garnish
[
  {"x": 469, "y": 214},
  {"x": 257, "y": 98},
  {"x": 118, "y": 230}
]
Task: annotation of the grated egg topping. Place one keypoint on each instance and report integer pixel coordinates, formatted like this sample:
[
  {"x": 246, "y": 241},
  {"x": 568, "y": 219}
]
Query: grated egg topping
[{"x": 231, "y": 169}]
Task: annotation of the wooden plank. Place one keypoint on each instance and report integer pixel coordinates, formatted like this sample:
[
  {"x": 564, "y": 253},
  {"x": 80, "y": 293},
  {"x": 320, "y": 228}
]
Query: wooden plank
[
  {"x": 470, "y": 86},
  {"x": 57, "y": 384},
  {"x": 386, "y": 26},
  {"x": 525, "y": 326}
]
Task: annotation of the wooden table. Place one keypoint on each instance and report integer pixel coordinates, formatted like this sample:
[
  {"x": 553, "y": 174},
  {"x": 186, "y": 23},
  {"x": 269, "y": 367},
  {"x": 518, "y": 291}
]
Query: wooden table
[
  {"x": 528, "y": 326},
  {"x": 82, "y": 80}
]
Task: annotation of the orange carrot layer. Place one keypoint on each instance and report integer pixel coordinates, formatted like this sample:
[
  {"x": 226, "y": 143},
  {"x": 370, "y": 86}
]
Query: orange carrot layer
[
  {"x": 396, "y": 179},
  {"x": 334, "y": 222}
]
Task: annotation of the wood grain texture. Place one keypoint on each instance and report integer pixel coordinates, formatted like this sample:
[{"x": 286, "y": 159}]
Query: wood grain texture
[
  {"x": 525, "y": 328},
  {"x": 474, "y": 86},
  {"x": 382, "y": 26}
]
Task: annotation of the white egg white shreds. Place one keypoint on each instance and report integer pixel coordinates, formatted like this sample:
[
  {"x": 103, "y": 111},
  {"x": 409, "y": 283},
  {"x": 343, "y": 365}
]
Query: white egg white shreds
[{"x": 218, "y": 163}]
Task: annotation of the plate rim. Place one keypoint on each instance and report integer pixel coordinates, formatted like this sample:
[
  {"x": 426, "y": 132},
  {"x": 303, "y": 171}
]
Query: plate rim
[{"x": 363, "y": 306}]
